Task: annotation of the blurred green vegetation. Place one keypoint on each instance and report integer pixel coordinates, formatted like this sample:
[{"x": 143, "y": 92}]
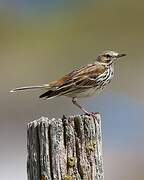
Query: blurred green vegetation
[
  {"x": 100, "y": 25},
  {"x": 42, "y": 41}
]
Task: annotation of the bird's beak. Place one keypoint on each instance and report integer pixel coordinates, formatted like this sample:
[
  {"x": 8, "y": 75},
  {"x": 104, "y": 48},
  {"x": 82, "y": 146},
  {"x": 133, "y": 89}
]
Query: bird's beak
[{"x": 120, "y": 55}]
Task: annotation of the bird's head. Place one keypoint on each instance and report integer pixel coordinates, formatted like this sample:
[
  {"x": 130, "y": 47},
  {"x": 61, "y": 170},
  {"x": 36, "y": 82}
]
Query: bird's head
[{"x": 109, "y": 57}]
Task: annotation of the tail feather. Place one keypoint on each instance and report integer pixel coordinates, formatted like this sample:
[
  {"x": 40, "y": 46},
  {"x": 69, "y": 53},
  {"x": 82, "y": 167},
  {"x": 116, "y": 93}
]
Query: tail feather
[{"x": 45, "y": 86}]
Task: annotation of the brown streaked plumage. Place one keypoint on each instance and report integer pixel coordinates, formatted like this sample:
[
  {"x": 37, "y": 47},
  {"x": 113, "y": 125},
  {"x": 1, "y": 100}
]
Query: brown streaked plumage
[{"x": 82, "y": 82}]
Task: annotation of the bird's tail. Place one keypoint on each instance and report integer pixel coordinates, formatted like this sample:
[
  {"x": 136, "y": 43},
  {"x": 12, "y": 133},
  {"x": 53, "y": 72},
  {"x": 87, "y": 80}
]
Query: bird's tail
[{"x": 45, "y": 86}]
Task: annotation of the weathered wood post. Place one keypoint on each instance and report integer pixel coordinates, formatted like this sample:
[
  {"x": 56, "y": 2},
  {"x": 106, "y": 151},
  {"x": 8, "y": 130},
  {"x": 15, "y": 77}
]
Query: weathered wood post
[{"x": 65, "y": 149}]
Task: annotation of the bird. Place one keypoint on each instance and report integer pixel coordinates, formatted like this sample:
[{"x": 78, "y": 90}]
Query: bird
[{"x": 82, "y": 82}]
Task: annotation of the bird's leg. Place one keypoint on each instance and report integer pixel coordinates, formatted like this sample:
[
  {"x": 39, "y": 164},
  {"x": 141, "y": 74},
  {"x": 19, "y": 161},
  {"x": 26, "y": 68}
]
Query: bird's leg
[{"x": 74, "y": 101}]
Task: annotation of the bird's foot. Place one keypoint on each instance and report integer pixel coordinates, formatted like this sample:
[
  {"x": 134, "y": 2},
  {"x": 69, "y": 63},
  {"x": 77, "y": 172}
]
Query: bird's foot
[{"x": 93, "y": 114}]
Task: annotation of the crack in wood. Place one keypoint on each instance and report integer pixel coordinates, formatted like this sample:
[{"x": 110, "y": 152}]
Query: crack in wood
[{"x": 65, "y": 149}]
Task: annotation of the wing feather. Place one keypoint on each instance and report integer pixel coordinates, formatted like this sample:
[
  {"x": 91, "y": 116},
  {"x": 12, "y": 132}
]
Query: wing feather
[{"x": 78, "y": 80}]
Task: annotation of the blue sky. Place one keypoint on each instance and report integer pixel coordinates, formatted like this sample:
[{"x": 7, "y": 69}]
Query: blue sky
[{"x": 122, "y": 121}]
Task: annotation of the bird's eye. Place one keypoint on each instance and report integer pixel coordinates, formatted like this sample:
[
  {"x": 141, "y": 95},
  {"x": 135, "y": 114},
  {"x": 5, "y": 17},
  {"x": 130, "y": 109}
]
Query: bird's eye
[{"x": 107, "y": 55}]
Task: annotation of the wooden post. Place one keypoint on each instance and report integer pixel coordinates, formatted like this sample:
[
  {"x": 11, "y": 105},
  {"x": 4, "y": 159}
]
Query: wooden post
[{"x": 65, "y": 149}]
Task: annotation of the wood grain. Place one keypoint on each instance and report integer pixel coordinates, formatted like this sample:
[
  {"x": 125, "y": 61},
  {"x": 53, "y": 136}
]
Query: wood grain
[{"x": 65, "y": 149}]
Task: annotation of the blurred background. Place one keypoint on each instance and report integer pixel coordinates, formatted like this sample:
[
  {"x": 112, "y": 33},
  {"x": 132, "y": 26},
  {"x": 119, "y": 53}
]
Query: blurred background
[{"x": 41, "y": 41}]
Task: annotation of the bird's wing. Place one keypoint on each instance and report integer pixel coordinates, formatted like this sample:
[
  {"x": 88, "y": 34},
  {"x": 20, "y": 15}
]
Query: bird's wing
[{"x": 84, "y": 77}]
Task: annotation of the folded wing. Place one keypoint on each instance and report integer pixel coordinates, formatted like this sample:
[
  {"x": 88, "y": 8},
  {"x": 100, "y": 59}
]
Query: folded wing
[{"x": 78, "y": 80}]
